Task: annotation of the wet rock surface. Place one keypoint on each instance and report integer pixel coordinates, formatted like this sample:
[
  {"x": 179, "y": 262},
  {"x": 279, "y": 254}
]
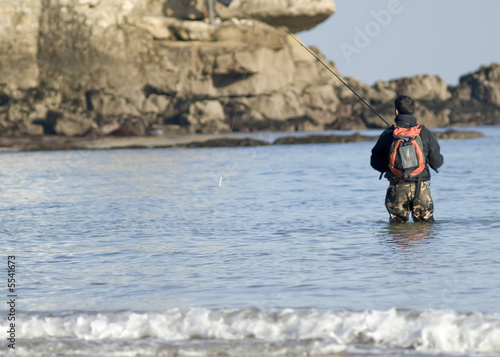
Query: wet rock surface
[{"x": 54, "y": 142}]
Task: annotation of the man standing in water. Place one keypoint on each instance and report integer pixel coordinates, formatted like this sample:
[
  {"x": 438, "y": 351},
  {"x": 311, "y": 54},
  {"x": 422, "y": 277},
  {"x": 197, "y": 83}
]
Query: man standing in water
[{"x": 404, "y": 153}]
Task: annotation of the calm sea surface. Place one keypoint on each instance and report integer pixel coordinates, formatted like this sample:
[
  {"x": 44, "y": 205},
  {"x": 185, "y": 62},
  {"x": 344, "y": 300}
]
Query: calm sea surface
[{"x": 265, "y": 251}]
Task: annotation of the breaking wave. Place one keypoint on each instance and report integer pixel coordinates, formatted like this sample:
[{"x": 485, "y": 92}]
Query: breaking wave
[{"x": 253, "y": 332}]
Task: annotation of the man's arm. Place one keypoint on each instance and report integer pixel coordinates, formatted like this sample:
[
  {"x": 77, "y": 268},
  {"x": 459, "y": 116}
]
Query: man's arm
[
  {"x": 434, "y": 156},
  {"x": 380, "y": 152}
]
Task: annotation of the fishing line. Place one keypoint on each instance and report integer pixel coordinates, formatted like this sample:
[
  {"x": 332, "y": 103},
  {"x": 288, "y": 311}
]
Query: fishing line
[
  {"x": 324, "y": 65},
  {"x": 269, "y": 18},
  {"x": 332, "y": 72}
]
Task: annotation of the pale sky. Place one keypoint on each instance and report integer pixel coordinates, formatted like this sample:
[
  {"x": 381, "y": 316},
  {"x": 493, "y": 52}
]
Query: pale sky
[{"x": 387, "y": 39}]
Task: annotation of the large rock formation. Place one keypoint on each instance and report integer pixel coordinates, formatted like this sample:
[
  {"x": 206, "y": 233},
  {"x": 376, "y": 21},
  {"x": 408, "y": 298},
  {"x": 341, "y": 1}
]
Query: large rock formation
[
  {"x": 297, "y": 15},
  {"x": 92, "y": 66},
  {"x": 81, "y": 67}
]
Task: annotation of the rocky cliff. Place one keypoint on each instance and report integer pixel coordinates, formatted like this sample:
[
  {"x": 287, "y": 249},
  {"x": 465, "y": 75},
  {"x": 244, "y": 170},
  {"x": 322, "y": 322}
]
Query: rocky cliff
[{"x": 96, "y": 67}]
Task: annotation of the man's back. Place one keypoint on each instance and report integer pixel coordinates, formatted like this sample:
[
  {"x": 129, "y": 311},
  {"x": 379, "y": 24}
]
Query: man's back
[{"x": 432, "y": 152}]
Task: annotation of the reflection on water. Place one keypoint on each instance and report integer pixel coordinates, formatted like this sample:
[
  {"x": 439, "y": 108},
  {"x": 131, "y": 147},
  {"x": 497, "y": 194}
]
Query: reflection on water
[{"x": 409, "y": 234}]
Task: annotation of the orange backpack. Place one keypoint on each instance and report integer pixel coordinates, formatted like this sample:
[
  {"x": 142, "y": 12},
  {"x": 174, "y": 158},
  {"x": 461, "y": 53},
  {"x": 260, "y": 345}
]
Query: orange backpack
[{"x": 406, "y": 157}]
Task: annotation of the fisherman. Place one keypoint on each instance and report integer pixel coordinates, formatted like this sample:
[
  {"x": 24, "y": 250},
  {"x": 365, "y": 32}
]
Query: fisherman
[
  {"x": 408, "y": 191},
  {"x": 212, "y": 9}
]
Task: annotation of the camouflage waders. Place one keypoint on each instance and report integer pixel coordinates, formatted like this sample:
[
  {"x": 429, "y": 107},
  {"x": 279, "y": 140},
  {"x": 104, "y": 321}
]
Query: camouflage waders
[{"x": 400, "y": 201}]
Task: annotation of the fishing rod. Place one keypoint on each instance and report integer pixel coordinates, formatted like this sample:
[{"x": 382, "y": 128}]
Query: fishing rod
[
  {"x": 332, "y": 72},
  {"x": 269, "y": 18}
]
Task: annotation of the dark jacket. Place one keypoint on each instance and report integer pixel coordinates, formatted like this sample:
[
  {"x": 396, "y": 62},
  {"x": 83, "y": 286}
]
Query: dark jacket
[{"x": 380, "y": 152}]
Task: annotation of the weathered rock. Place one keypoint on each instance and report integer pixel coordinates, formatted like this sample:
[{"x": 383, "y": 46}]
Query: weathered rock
[
  {"x": 297, "y": 16},
  {"x": 157, "y": 26},
  {"x": 322, "y": 104},
  {"x": 67, "y": 124},
  {"x": 109, "y": 128},
  {"x": 16, "y": 122},
  {"x": 19, "y": 43},
  {"x": 381, "y": 91},
  {"x": 226, "y": 142},
  {"x": 243, "y": 118},
  {"x": 108, "y": 104},
  {"x": 251, "y": 71},
  {"x": 124, "y": 132},
  {"x": 207, "y": 117},
  {"x": 250, "y": 32},
  {"x": 458, "y": 134},
  {"x": 191, "y": 30},
  {"x": 430, "y": 117},
  {"x": 156, "y": 104},
  {"x": 421, "y": 87},
  {"x": 41, "y": 143},
  {"x": 323, "y": 139},
  {"x": 483, "y": 85},
  {"x": 278, "y": 105},
  {"x": 307, "y": 67}
]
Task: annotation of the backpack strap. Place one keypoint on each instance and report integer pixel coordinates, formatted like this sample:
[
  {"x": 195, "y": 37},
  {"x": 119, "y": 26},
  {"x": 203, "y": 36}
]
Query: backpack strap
[{"x": 421, "y": 144}]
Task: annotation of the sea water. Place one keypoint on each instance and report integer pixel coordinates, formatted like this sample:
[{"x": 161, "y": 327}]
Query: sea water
[{"x": 262, "y": 251}]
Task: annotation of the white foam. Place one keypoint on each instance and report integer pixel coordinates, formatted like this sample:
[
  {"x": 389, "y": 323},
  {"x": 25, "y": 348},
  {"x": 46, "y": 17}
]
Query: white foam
[{"x": 320, "y": 331}]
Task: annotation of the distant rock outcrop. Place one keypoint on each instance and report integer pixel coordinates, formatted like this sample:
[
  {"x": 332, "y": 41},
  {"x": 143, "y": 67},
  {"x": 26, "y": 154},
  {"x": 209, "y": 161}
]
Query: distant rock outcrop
[{"x": 96, "y": 67}]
